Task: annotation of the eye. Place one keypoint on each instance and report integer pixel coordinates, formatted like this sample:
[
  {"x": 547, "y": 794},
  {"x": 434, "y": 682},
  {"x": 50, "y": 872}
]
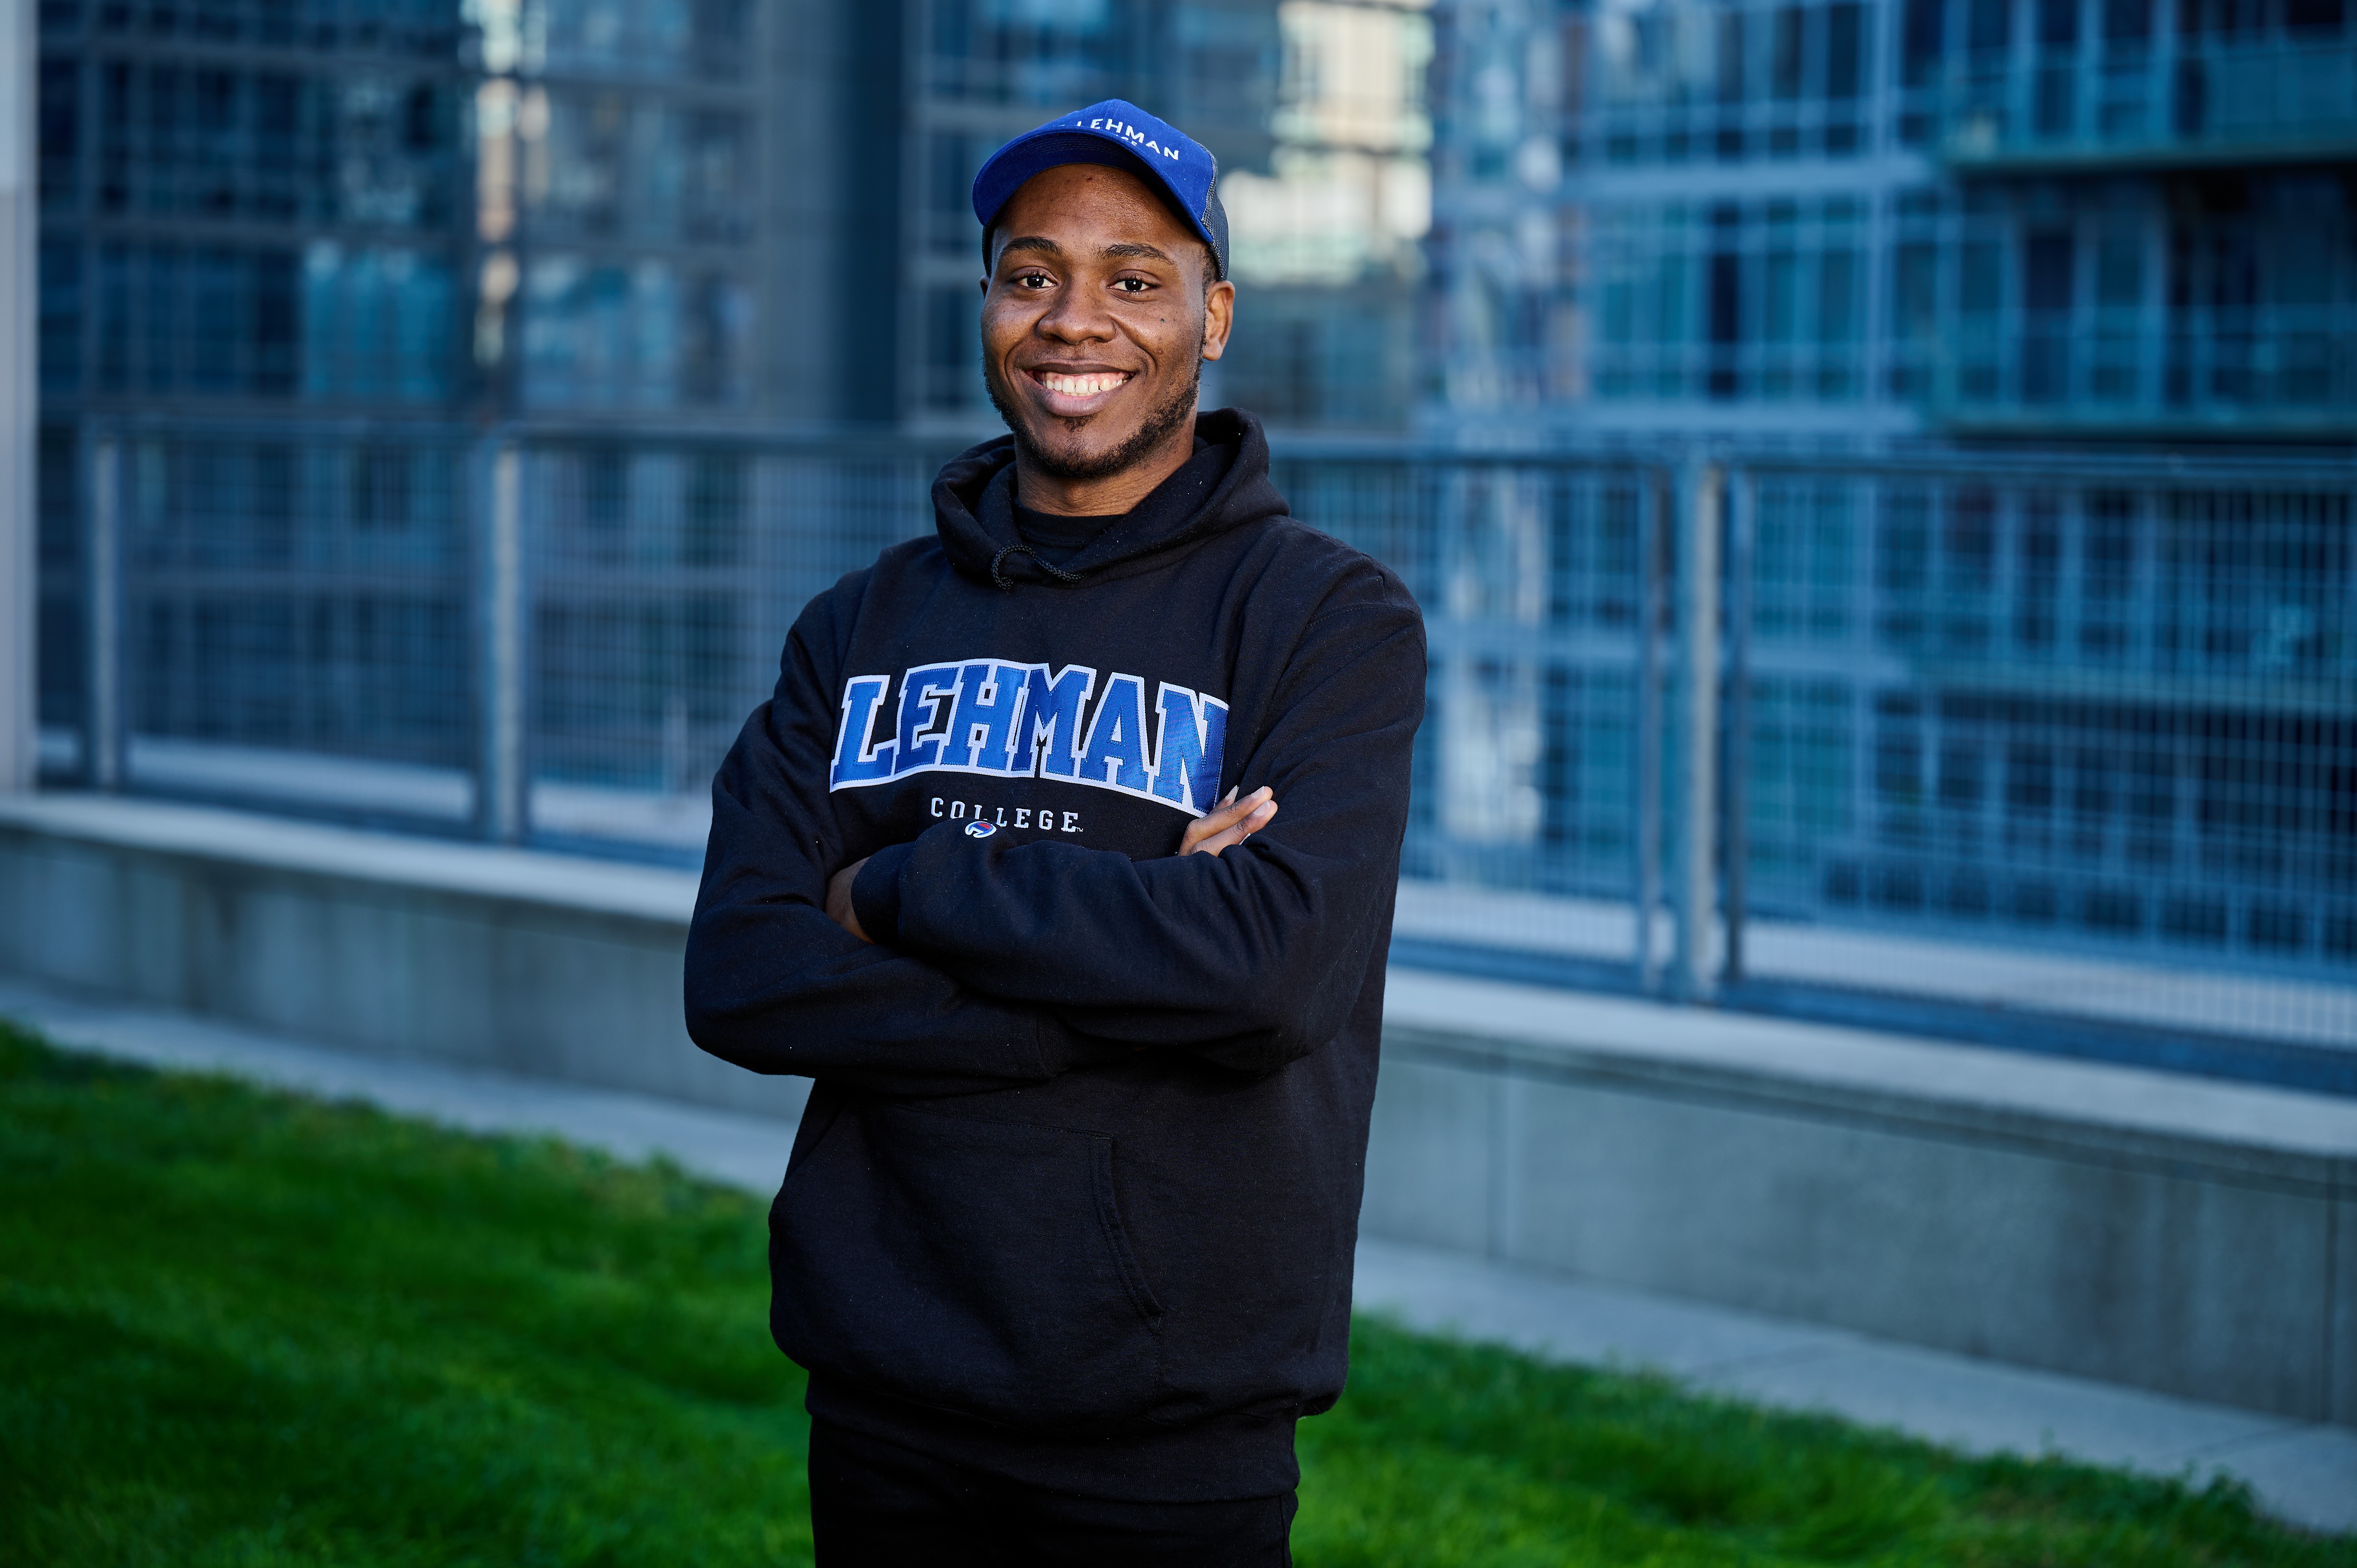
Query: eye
[
  {"x": 1033, "y": 280},
  {"x": 1132, "y": 286}
]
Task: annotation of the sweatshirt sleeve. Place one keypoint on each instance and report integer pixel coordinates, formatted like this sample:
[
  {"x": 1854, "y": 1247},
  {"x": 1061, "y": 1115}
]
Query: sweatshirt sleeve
[
  {"x": 1252, "y": 958},
  {"x": 774, "y": 985}
]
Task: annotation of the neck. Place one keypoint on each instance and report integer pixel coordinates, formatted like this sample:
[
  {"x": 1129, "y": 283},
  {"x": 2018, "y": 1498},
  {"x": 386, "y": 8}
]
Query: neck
[{"x": 1104, "y": 495}]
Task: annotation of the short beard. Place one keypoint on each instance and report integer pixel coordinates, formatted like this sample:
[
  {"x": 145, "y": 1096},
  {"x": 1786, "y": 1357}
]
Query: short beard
[{"x": 1174, "y": 411}]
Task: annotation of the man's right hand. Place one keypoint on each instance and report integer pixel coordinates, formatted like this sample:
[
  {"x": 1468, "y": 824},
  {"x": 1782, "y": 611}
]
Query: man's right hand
[
  {"x": 1235, "y": 822},
  {"x": 838, "y": 900}
]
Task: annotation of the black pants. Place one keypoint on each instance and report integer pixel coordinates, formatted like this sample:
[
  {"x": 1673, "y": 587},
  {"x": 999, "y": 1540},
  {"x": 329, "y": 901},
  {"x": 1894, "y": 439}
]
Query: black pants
[{"x": 876, "y": 1504}]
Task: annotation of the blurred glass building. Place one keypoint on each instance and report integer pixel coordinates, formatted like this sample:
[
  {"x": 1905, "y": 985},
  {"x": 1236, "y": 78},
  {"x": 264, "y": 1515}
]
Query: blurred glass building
[
  {"x": 494, "y": 208},
  {"x": 1933, "y": 253},
  {"x": 426, "y": 206},
  {"x": 307, "y": 266},
  {"x": 1328, "y": 234},
  {"x": 2129, "y": 219},
  {"x": 294, "y": 256}
]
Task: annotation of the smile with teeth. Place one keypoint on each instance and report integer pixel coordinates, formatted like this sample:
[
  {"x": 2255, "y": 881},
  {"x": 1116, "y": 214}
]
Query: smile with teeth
[{"x": 1080, "y": 386}]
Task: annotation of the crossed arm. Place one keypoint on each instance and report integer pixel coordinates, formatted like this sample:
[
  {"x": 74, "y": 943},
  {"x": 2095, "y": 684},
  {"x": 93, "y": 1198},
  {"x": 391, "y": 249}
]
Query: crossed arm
[
  {"x": 1235, "y": 822},
  {"x": 994, "y": 963}
]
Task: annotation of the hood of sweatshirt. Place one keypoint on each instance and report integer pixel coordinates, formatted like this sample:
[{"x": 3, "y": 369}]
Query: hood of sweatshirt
[{"x": 1224, "y": 485}]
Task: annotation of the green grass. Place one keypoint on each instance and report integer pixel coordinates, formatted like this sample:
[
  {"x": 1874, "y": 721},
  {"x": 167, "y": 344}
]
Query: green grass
[{"x": 247, "y": 1329}]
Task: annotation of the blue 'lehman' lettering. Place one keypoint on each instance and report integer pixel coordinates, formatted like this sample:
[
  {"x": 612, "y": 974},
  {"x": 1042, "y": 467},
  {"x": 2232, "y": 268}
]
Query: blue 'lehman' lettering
[{"x": 1004, "y": 720}]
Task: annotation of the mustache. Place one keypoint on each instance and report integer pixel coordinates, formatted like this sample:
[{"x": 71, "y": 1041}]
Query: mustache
[{"x": 1159, "y": 422}]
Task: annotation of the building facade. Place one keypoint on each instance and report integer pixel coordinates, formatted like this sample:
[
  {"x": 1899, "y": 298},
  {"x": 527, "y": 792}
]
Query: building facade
[
  {"x": 300, "y": 259},
  {"x": 430, "y": 208},
  {"x": 1946, "y": 219},
  {"x": 1329, "y": 236},
  {"x": 494, "y": 208},
  {"x": 307, "y": 267},
  {"x": 2079, "y": 701}
]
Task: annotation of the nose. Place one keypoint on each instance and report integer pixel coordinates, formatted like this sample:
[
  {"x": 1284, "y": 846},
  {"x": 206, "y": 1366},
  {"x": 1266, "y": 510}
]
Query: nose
[{"x": 1077, "y": 317}]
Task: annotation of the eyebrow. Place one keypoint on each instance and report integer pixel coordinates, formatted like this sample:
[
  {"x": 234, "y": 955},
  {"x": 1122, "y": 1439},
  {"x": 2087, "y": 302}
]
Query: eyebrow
[{"x": 1042, "y": 245}]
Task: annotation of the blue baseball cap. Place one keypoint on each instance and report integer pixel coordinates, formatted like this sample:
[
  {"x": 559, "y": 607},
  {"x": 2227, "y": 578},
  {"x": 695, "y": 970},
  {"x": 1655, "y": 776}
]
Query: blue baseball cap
[{"x": 1119, "y": 136}]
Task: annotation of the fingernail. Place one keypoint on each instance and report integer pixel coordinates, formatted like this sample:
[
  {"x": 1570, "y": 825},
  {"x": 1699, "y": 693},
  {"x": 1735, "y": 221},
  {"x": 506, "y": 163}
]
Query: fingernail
[
  {"x": 1231, "y": 795},
  {"x": 1263, "y": 793}
]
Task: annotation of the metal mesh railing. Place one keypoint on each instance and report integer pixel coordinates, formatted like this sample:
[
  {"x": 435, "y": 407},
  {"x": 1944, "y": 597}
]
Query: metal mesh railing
[
  {"x": 2054, "y": 752},
  {"x": 2105, "y": 715},
  {"x": 663, "y": 582}
]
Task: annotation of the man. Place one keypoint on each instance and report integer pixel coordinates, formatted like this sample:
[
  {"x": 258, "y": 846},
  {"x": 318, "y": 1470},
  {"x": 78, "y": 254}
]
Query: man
[{"x": 1065, "y": 1239}]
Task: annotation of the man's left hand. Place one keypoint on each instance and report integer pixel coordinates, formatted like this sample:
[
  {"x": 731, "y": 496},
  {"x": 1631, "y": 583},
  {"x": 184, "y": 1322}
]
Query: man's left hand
[{"x": 1231, "y": 824}]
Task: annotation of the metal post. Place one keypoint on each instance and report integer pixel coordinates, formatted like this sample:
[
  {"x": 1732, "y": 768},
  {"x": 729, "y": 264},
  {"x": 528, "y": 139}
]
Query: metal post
[
  {"x": 1651, "y": 535},
  {"x": 105, "y": 721},
  {"x": 2161, "y": 85},
  {"x": 500, "y": 802},
  {"x": 2022, "y": 60},
  {"x": 19, "y": 611},
  {"x": 1697, "y": 824},
  {"x": 1742, "y": 526}
]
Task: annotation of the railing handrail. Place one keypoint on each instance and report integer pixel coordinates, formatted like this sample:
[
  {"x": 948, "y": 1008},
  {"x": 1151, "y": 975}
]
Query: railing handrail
[{"x": 2334, "y": 465}]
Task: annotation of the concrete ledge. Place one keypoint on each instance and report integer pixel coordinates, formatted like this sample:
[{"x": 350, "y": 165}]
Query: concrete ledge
[
  {"x": 528, "y": 963},
  {"x": 2179, "y": 1234},
  {"x": 2168, "y": 1232}
]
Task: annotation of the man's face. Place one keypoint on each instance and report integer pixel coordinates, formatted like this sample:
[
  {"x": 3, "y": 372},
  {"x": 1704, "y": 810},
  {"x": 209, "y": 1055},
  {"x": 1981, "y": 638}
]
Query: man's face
[{"x": 1095, "y": 320}]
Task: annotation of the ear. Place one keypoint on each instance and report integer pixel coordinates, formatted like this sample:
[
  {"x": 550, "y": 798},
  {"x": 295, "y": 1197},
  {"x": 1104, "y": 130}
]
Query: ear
[{"x": 1219, "y": 316}]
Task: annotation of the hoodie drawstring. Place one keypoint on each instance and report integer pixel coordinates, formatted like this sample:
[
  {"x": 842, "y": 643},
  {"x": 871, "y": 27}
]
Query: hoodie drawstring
[{"x": 1005, "y": 583}]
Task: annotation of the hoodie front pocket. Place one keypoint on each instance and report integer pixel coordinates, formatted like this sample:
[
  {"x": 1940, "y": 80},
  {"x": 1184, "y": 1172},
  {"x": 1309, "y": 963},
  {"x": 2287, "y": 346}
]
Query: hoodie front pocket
[{"x": 973, "y": 1265}]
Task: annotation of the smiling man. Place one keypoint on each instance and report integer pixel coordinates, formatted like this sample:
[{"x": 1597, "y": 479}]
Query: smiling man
[{"x": 1065, "y": 1239}]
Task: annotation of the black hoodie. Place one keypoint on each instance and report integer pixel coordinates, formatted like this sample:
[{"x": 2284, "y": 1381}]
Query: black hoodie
[{"x": 1076, "y": 1194}]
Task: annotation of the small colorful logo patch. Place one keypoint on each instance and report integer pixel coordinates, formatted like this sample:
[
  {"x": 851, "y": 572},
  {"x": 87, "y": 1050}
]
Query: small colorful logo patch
[{"x": 980, "y": 830}]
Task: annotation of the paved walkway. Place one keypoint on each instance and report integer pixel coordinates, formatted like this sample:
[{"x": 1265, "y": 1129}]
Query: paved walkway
[{"x": 2305, "y": 1473}]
